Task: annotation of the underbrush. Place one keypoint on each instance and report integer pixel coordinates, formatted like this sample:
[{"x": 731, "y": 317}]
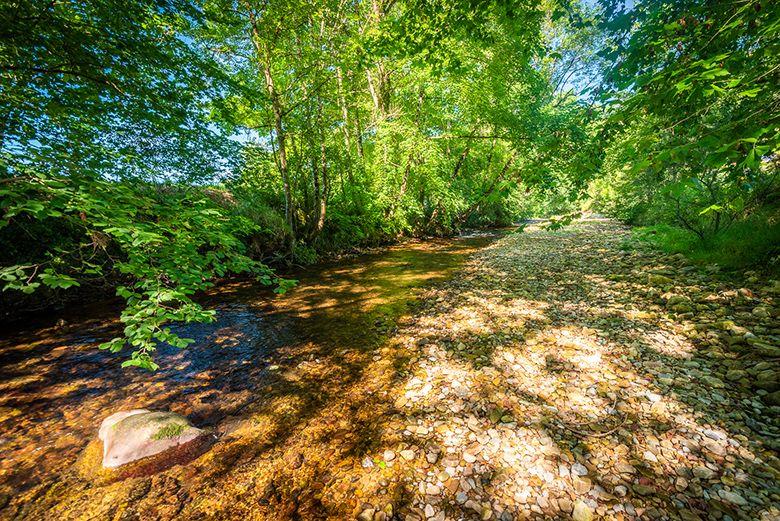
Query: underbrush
[{"x": 753, "y": 242}]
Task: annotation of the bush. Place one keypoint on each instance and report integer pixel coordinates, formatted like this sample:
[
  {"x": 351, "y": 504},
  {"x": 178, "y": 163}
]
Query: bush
[{"x": 753, "y": 242}]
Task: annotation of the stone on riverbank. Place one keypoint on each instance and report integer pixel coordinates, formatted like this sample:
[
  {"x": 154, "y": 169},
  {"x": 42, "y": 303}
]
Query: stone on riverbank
[
  {"x": 141, "y": 442},
  {"x": 129, "y": 436}
]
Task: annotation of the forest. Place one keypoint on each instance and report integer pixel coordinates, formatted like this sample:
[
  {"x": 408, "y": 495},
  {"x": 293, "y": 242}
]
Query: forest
[{"x": 152, "y": 148}]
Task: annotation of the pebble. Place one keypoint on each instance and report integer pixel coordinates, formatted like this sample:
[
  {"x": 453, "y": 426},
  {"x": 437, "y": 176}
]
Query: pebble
[
  {"x": 582, "y": 512},
  {"x": 407, "y": 454},
  {"x": 703, "y": 472},
  {"x": 732, "y": 497}
]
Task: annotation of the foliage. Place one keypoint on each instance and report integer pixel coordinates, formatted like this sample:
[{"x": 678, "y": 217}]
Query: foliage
[
  {"x": 158, "y": 147},
  {"x": 691, "y": 131},
  {"x": 747, "y": 243},
  {"x": 165, "y": 242}
]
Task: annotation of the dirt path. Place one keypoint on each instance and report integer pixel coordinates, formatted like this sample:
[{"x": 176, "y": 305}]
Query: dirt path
[{"x": 557, "y": 375}]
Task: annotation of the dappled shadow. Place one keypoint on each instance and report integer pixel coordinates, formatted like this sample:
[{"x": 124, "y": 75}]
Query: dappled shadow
[
  {"x": 595, "y": 374},
  {"x": 549, "y": 379},
  {"x": 269, "y": 367}
]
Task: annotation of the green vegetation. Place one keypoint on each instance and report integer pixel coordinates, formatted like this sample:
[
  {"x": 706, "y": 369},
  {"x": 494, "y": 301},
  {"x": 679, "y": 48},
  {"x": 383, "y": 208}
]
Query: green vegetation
[
  {"x": 744, "y": 245},
  {"x": 693, "y": 132},
  {"x": 157, "y": 148},
  {"x": 169, "y": 431}
]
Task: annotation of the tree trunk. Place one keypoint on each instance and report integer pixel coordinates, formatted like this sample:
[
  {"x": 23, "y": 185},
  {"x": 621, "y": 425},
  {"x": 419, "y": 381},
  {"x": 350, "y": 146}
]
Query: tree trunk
[
  {"x": 325, "y": 190},
  {"x": 489, "y": 190},
  {"x": 264, "y": 59},
  {"x": 379, "y": 83},
  {"x": 280, "y": 140},
  {"x": 460, "y": 162}
]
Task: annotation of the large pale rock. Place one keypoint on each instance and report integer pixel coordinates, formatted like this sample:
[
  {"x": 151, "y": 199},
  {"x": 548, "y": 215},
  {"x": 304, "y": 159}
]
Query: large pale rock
[{"x": 129, "y": 436}]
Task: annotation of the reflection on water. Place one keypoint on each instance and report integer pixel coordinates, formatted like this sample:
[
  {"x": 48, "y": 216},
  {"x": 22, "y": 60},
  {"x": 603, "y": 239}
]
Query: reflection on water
[{"x": 55, "y": 386}]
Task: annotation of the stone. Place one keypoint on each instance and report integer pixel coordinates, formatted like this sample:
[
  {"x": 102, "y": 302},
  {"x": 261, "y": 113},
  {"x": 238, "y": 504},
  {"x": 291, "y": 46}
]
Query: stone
[
  {"x": 129, "y": 436},
  {"x": 732, "y": 497},
  {"x": 714, "y": 447},
  {"x": 388, "y": 455},
  {"x": 582, "y": 512},
  {"x": 407, "y": 454},
  {"x": 578, "y": 469},
  {"x": 773, "y": 398},
  {"x": 768, "y": 380},
  {"x": 366, "y": 515},
  {"x": 735, "y": 374},
  {"x": 767, "y": 350},
  {"x": 581, "y": 484},
  {"x": 655, "y": 279},
  {"x": 713, "y": 381},
  {"x": 643, "y": 490},
  {"x": 703, "y": 472},
  {"x": 760, "y": 312}
]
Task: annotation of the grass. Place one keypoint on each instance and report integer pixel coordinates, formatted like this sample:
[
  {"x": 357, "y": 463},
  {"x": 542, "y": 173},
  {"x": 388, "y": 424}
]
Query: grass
[{"x": 752, "y": 243}]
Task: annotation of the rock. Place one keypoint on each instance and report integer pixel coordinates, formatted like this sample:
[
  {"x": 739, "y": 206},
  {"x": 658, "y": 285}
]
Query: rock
[
  {"x": 658, "y": 408},
  {"x": 407, "y": 454},
  {"x": 366, "y": 515},
  {"x": 473, "y": 505},
  {"x": 703, "y": 472},
  {"x": 643, "y": 490},
  {"x": 581, "y": 484},
  {"x": 673, "y": 300},
  {"x": 760, "y": 312},
  {"x": 735, "y": 374},
  {"x": 578, "y": 469},
  {"x": 658, "y": 280},
  {"x": 732, "y": 497},
  {"x": 768, "y": 380},
  {"x": 388, "y": 455},
  {"x": 767, "y": 350},
  {"x": 773, "y": 398},
  {"x": 714, "y": 447},
  {"x": 713, "y": 382},
  {"x": 582, "y": 512},
  {"x": 129, "y": 436}
]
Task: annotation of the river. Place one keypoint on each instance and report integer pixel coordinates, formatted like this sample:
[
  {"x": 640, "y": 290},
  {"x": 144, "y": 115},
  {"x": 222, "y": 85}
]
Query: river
[{"x": 56, "y": 386}]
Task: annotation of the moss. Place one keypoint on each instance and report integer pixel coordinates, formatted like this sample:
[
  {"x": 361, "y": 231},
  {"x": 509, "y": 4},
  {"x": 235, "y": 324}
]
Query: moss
[{"x": 169, "y": 431}]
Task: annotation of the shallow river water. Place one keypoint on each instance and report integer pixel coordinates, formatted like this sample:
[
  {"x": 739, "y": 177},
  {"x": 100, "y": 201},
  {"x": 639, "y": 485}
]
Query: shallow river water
[{"x": 56, "y": 386}]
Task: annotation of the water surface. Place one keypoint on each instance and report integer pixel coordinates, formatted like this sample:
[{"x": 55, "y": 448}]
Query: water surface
[{"x": 56, "y": 386}]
